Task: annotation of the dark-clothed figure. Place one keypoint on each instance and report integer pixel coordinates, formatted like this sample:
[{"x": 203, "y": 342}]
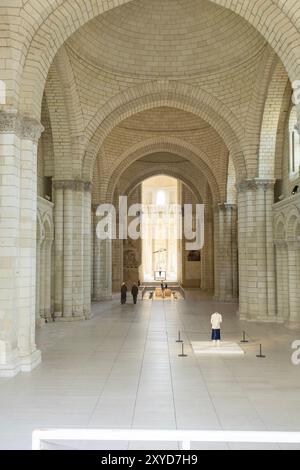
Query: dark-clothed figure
[
  {"x": 135, "y": 293},
  {"x": 123, "y": 293}
]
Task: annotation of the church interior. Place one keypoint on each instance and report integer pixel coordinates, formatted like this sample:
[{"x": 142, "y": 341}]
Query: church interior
[{"x": 164, "y": 102}]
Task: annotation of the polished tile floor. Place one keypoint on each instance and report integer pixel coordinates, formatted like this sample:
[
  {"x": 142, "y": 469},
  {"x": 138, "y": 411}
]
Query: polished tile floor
[{"x": 122, "y": 370}]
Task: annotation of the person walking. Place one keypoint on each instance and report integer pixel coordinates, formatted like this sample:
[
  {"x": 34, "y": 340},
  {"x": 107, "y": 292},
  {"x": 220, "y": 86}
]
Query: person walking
[
  {"x": 124, "y": 293},
  {"x": 135, "y": 293},
  {"x": 162, "y": 289}
]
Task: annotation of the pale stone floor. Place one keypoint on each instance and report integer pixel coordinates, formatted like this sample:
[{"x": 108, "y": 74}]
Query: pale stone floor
[{"x": 122, "y": 370}]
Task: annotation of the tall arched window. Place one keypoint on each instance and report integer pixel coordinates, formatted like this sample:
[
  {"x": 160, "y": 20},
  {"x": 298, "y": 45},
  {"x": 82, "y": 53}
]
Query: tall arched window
[{"x": 294, "y": 143}]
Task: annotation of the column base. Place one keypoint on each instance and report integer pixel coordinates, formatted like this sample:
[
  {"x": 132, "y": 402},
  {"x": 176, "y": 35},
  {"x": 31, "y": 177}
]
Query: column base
[
  {"x": 103, "y": 298},
  {"x": 88, "y": 315},
  {"x": 292, "y": 325},
  {"x": 258, "y": 319},
  {"x": 20, "y": 364},
  {"x": 228, "y": 300},
  {"x": 70, "y": 319},
  {"x": 57, "y": 316},
  {"x": 40, "y": 322}
]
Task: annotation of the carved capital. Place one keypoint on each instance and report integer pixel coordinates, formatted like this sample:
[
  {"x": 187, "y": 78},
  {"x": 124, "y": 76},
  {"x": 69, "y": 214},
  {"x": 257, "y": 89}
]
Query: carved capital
[
  {"x": 9, "y": 123},
  {"x": 59, "y": 184},
  {"x": 88, "y": 187},
  {"x": 72, "y": 185},
  {"x": 31, "y": 129},
  {"x": 255, "y": 184},
  {"x": 293, "y": 245},
  {"x": 23, "y": 127},
  {"x": 280, "y": 243},
  {"x": 225, "y": 208},
  {"x": 297, "y": 127}
]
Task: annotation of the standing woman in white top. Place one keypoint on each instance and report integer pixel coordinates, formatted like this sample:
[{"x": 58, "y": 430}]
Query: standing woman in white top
[{"x": 216, "y": 321}]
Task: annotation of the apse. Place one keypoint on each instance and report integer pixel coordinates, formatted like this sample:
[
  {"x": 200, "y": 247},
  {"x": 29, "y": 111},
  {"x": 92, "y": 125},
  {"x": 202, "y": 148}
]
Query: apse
[{"x": 160, "y": 245}]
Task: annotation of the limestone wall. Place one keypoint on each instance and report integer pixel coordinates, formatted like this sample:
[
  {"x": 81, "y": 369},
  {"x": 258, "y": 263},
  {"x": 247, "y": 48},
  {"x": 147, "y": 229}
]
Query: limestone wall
[{"x": 287, "y": 249}]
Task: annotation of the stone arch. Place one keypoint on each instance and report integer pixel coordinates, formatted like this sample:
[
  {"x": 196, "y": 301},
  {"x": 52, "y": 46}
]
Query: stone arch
[
  {"x": 297, "y": 231},
  {"x": 40, "y": 233},
  {"x": 292, "y": 224},
  {"x": 170, "y": 145},
  {"x": 271, "y": 122},
  {"x": 280, "y": 229},
  {"x": 168, "y": 172},
  {"x": 46, "y": 145},
  {"x": 169, "y": 94},
  {"x": 256, "y": 105},
  {"x": 65, "y": 114},
  {"x": 52, "y": 26},
  {"x": 48, "y": 228},
  {"x": 231, "y": 183},
  {"x": 283, "y": 125}
]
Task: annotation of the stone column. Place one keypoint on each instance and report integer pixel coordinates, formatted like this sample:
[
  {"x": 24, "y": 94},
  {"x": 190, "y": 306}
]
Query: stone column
[
  {"x": 87, "y": 244},
  {"x": 117, "y": 263},
  {"x": 226, "y": 263},
  {"x": 68, "y": 254},
  {"x": 18, "y": 200},
  {"x": 293, "y": 280},
  {"x": 48, "y": 256},
  {"x": 77, "y": 252},
  {"x": 29, "y": 356},
  {"x": 103, "y": 270},
  {"x": 102, "y": 267},
  {"x": 207, "y": 255},
  {"x": 282, "y": 280},
  {"x": 256, "y": 250},
  {"x": 92, "y": 253},
  {"x": 39, "y": 321},
  {"x": 96, "y": 261},
  {"x": 42, "y": 281},
  {"x": 72, "y": 250},
  {"x": 58, "y": 248}
]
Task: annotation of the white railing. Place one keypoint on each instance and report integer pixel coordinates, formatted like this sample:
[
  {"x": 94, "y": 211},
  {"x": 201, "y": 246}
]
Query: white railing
[{"x": 185, "y": 438}]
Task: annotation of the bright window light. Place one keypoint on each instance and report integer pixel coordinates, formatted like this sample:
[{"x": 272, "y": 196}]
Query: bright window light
[{"x": 161, "y": 198}]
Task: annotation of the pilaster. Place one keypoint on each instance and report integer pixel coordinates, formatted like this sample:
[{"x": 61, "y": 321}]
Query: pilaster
[
  {"x": 72, "y": 249},
  {"x": 18, "y": 156},
  {"x": 226, "y": 263},
  {"x": 256, "y": 250}
]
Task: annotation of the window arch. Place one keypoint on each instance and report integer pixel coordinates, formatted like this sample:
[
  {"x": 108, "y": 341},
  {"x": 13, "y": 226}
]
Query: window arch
[{"x": 294, "y": 143}]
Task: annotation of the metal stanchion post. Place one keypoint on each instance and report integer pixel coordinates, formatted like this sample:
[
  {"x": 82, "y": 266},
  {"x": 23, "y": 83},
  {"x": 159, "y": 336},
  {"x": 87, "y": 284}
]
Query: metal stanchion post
[
  {"x": 182, "y": 352},
  {"x": 244, "y": 338},
  {"x": 260, "y": 355},
  {"x": 179, "y": 338}
]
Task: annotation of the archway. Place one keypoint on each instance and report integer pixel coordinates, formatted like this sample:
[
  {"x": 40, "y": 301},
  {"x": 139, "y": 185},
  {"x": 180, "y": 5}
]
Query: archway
[{"x": 55, "y": 25}]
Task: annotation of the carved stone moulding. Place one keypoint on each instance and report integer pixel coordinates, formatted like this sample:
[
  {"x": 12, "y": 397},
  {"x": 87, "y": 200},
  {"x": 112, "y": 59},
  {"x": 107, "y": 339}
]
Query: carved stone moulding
[
  {"x": 73, "y": 185},
  {"x": 225, "y": 207},
  {"x": 255, "y": 183},
  {"x": 22, "y": 126}
]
